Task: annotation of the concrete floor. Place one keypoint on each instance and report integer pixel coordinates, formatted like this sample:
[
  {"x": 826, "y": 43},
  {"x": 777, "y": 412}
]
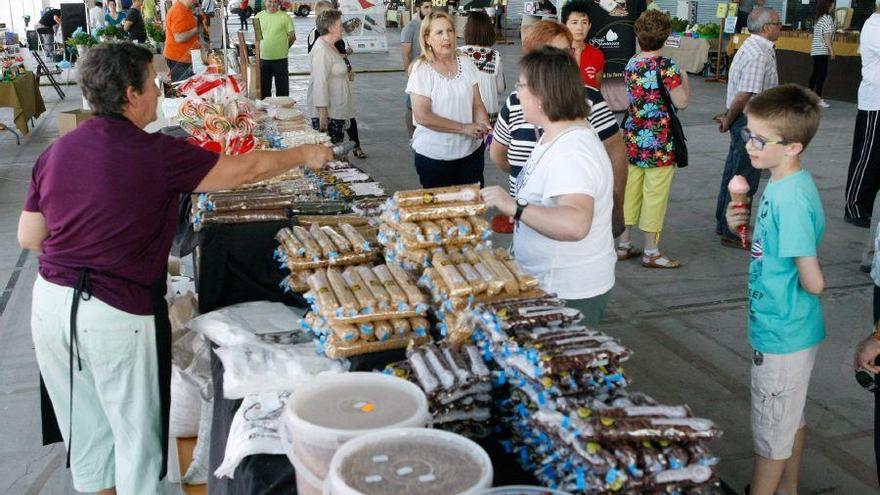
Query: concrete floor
[{"x": 687, "y": 326}]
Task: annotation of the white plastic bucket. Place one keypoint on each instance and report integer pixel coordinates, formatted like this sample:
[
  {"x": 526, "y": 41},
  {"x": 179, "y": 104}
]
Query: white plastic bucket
[
  {"x": 403, "y": 461},
  {"x": 333, "y": 409}
]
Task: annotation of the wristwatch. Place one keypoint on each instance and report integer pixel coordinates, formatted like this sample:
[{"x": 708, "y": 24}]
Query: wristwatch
[{"x": 520, "y": 207}]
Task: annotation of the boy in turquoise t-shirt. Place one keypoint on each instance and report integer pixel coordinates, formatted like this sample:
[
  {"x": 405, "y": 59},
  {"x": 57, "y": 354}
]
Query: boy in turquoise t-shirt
[{"x": 786, "y": 323}]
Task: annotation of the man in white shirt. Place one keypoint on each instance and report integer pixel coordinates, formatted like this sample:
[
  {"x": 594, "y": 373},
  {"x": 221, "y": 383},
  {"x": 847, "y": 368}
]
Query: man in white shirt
[
  {"x": 752, "y": 71},
  {"x": 411, "y": 49},
  {"x": 96, "y": 16},
  {"x": 863, "y": 180}
]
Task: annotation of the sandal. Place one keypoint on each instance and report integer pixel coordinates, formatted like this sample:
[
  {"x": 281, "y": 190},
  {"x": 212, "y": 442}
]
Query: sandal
[
  {"x": 358, "y": 152},
  {"x": 659, "y": 261},
  {"x": 625, "y": 253}
]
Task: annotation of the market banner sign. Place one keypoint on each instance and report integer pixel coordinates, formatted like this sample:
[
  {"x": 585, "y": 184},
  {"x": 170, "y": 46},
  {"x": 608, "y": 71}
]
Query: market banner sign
[
  {"x": 363, "y": 25},
  {"x": 612, "y": 32}
]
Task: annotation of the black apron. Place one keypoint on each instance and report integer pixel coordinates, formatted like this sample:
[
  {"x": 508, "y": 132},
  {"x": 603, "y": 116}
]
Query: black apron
[{"x": 51, "y": 428}]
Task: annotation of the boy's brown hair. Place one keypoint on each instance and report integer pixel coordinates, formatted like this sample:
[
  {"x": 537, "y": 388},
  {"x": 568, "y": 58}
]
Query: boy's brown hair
[{"x": 792, "y": 110}]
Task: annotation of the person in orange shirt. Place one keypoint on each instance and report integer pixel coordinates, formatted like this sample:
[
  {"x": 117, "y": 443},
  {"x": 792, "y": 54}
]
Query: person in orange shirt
[{"x": 181, "y": 36}]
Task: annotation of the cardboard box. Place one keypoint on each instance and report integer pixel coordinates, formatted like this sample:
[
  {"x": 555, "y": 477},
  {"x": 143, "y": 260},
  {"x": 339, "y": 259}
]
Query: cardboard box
[{"x": 68, "y": 121}]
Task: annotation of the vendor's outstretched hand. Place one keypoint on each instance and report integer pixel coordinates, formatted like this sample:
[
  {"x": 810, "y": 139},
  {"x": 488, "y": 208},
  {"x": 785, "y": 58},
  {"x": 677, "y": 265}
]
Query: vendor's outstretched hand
[
  {"x": 316, "y": 155},
  {"x": 498, "y": 198}
]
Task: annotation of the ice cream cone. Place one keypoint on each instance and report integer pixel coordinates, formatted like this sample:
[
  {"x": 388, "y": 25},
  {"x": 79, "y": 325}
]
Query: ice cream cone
[{"x": 739, "y": 198}]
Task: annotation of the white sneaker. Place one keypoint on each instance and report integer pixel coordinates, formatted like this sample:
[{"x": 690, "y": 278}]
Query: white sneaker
[{"x": 824, "y": 104}]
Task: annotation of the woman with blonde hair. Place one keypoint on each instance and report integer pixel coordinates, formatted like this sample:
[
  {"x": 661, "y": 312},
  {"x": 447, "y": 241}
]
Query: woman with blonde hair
[{"x": 448, "y": 112}]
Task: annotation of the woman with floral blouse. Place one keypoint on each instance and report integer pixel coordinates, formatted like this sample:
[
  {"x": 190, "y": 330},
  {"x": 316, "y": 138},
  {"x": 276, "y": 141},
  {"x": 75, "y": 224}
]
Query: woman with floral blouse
[{"x": 648, "y": 138}]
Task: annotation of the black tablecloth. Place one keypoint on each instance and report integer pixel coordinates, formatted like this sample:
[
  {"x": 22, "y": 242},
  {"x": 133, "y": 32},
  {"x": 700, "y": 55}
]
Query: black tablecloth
[{"x": 235, "y": 265}]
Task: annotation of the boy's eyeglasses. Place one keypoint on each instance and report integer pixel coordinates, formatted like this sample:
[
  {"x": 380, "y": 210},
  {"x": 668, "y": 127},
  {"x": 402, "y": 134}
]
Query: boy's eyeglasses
[{"x": 757, "y": 140}]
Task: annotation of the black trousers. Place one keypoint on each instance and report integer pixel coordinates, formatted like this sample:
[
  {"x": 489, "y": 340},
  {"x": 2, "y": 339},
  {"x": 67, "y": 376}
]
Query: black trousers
[
  {"x": 863, "y": 179},
  {"x": 352, "y": 132},
  {"x": 335, "y": 129},
  {"x": 442, "y": 173},
  {"x": 742, "y": 20},
  {"x": 277, "y": 70},
  {"x": 820, "y": 73}
]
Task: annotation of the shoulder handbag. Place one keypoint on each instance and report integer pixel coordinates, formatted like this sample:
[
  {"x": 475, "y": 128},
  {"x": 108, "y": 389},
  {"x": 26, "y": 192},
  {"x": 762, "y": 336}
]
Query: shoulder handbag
[{"x": 679, "y": 141}]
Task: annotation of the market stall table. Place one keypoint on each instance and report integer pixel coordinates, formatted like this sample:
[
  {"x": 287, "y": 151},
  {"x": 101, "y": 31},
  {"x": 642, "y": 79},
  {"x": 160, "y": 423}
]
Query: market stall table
[
  {"x": 234, "y": 267},
  {"x": 794, "y": 64},
  {"x": 23, "y": 95},
  {"x": 691, "y": 54}
]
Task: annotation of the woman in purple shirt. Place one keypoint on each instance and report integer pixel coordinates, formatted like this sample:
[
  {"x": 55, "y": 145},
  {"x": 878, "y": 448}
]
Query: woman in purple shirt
[{"x": 102, "y": 211}]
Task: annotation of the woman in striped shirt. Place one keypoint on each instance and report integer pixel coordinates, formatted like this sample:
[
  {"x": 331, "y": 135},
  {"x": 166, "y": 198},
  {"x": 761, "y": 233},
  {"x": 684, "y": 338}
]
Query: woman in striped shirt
[{"x": 822, "y": 50}]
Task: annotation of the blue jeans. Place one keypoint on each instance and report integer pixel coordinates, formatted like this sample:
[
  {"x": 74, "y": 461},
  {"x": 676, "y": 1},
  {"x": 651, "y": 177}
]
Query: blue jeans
[{"x": 737, "y": 163}]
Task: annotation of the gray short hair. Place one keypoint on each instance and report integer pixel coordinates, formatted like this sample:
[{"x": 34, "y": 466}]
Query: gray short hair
[
  {"x": 758, "y": 18},
  {"x": 108, "y": 70},
  {"x": 326, "y": 20}
]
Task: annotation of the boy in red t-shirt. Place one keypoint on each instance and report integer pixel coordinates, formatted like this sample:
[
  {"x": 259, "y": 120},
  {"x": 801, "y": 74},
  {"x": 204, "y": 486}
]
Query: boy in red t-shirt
[{"x": 576, "y": 17}]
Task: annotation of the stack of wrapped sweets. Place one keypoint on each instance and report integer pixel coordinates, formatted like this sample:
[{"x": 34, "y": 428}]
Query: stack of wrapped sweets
[
  {"x": 460, "y": 278},
  {"x": 286, "y": 117},
  {"x": 302, "y": 250},
  {"x": 293, "y": 194},
  {"x": 441, "y": 236},
  {"x": 568, "y": 413},
  {"x": 419, "y": 222},
  {"x": 456, "y": 382},
  {"x": 266, "y": 203},
  {"x": 341, "y": 180},
  {"x": 364, "y": 309}
]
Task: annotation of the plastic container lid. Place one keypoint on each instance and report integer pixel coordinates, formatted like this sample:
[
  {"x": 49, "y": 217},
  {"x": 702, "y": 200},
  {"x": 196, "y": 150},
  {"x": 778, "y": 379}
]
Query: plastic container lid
[
  {"x": 332, "y": 409},
  {"x": 522, "y": 490},
  {"x": 409, "y": 461}
]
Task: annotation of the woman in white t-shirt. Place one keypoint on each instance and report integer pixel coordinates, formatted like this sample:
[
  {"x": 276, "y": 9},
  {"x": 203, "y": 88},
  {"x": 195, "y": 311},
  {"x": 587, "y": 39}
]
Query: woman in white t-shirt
[
  {"x": 448, "y": 111},
  {"x": 564, "y": 193},
  {"x": 479, "y": 36}
]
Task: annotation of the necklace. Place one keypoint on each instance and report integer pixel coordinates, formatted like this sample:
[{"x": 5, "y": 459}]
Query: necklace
[{"x": 445, "y": 69}]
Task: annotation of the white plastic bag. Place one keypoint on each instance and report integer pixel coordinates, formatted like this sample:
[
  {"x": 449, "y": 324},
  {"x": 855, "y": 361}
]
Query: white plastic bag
[
  {"x": 255, "y": 429},
  {"x": 259, "y": 367},
  {"x": 240, "y": 323},
  {"x": 197, "y": 474},
  {"x": 185, "y": 406}
]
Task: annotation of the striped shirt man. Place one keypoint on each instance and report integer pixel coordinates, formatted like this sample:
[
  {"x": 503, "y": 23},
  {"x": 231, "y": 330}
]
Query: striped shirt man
[{"x": 520, "y": 137}]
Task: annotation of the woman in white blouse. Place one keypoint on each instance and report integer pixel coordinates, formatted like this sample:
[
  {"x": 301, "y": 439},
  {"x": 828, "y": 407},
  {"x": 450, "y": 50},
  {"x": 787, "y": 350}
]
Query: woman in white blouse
[
  {"x": 479, "y": 36},
  {"x": 329, "y": 99},
  {"x": 448, "y": 111},
  {"x": 564, "y": 193}
]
